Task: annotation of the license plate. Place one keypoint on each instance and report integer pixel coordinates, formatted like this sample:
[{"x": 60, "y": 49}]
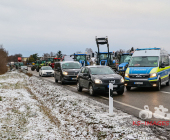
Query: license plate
[
  {"x": 138, "y": 83},
  {"x": 73, "y": 78},
  {"x": 113, "y": 86}
]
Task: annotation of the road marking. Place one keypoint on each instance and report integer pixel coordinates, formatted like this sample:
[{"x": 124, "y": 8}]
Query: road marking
[
  {"x": 71, "y": 86},
  {"x": 165, "y": 92}
]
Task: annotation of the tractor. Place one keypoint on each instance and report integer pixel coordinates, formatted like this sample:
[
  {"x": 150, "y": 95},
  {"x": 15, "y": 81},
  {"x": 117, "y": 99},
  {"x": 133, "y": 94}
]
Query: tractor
[
  {"x": 38, "y": 65},
  {"x": 105, "y": 58},
  {"x": 81, "y": 58},
  {"x": 55, "y": 60},
  {"x": 123, "y": 62}
]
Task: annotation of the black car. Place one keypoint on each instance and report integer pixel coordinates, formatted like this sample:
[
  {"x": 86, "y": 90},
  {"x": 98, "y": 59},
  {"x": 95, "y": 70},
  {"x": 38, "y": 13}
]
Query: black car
[
  {"x": 97, "y": 78},
  {"x": 66, "y": 71}
]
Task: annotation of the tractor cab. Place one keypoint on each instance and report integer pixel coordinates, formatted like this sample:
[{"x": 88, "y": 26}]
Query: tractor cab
[
  {"x": 105, "y": 58},
  {"x": 123, "y": 62},
  {"x": 81, "y": 58}
]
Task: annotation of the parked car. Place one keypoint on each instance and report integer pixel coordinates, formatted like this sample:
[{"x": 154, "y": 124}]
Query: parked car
[
  {"x": 97, "y": 78},
  {"x": 66, "y": 71},
  {"x": 24, "y": 68},
  {"x": 46, "y": 71}
]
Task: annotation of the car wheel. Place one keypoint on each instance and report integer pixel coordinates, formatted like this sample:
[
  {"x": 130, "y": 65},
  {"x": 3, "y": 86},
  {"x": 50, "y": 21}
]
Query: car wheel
[
  {"x": 79, "y": 88},
  {"x": 158, "y": 88},
  {"x": 120, "y": 92},
  {"x": 128, "y": 88},
  {"x": 91, "y": 90},
  {"x": 56, "y": 80},
  {"x": 62, "y": 81},
  {"x": 167, "y": 84}
]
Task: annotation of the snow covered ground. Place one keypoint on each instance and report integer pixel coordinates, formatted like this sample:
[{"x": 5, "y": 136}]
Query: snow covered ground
[{"x": 31, "y": 108}]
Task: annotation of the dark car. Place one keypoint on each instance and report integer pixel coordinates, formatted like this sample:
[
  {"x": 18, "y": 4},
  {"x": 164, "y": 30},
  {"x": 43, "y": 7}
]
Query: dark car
[
  {"x": 66, "y": 71},
  {"x": 97, "y": 78}
]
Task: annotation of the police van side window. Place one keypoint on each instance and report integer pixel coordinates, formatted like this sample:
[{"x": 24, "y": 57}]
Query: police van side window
[
  {"x": 160, "y": 61},
  {"x": 165, "y": 60}
]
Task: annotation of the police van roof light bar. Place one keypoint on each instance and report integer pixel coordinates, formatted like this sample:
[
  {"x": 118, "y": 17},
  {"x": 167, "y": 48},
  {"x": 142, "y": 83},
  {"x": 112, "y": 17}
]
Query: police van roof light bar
[{"x": 148, "y": 49}]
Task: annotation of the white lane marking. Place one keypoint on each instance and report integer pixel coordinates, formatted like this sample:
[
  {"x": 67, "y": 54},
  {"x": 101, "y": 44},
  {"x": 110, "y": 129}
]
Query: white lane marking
[
  {"x": 165, "y": 92},
  {"x": 71, "y": 86},
  {"x": 123, "y": 103}
]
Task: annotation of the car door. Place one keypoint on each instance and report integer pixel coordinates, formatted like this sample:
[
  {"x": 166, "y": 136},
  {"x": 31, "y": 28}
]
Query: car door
[
  {"x": 56, "y": 71},
  {"x": 81, "y": 77},
  {"x": 86, "y": 78},
  {"x": 60, "y": 72}
]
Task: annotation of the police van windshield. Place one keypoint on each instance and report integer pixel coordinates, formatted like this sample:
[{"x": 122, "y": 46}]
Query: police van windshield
[{"x": 144, "y": 61}]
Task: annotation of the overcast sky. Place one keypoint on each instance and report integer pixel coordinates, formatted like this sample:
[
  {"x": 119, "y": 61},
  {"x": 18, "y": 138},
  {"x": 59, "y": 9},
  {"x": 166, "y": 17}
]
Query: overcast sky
[{"x": 39, "y": 26}]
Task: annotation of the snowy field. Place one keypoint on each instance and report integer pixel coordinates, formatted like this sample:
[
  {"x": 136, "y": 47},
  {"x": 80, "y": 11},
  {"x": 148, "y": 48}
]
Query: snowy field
[{"x": 31, "y": 108}]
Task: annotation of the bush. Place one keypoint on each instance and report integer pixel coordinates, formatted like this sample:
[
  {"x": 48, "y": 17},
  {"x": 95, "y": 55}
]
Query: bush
[{"x": 3, "y": 60}]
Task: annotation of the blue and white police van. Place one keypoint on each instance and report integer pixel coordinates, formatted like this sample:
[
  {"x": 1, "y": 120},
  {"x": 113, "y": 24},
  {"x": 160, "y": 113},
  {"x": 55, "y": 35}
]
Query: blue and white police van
[{"x": 148, "y": 67}]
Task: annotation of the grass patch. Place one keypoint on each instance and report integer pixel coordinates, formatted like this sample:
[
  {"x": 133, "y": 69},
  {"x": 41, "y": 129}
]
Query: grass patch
[
  {"x": 0, "y": 98},
  {"x": 29, "y": 74},
  {"x": 46, "y": 110}
]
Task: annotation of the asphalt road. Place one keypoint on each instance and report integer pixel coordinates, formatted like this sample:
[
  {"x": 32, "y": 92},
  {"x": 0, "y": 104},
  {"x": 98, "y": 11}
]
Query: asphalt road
[{"x": 131, "y": 102}]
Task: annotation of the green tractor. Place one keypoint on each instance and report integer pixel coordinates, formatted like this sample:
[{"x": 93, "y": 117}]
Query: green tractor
[
  {"x": 38, "y": 65},
  {"x": 18, "y": 65}
]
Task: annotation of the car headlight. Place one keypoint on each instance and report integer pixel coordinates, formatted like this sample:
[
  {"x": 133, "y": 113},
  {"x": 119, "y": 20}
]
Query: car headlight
[
  {"x": 122, "y": 80},
  {"x": 97, "y": 81},
  {"x": 126, "y": 75},
  {"x": 65, "y": 73},
  {"x": 153, "y": 75}
]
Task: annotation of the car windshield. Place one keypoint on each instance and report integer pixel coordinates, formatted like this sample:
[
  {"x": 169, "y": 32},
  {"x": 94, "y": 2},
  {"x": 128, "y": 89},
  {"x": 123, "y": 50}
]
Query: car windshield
[
  {"x": 125, "y": 58},
  {"x": 144, "y": 61},
  {"x": 71, "y": 66},
  {"x": 101, "y": 71},
  {"x": 80, "y": 57},
  {"x": 46, "y": 68}
]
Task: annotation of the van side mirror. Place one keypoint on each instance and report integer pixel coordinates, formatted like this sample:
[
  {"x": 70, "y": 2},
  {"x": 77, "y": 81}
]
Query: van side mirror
[
  {"x": 162, "y": 65},
  {"x": 85, "y": 74}
]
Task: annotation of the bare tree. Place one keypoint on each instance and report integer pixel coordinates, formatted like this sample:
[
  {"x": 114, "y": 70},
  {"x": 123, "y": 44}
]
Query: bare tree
[
  {"x": 3, "y": 60},
  {"x": 46, "y": 55},
  {"x": 89, "y": 51},
  {"x": 14, "y": 58}
]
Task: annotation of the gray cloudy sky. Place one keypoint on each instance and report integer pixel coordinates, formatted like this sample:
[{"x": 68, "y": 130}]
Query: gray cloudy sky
[{"x": 39, "y": 26}]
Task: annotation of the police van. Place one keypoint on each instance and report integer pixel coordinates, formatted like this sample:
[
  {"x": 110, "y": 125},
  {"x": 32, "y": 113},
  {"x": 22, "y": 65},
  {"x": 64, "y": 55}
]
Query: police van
[{"x": 148, "y": 67}]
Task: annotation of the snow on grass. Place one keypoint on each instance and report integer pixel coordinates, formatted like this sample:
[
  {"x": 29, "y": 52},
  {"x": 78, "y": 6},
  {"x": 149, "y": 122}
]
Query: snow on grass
[{"x": 36, "y": 109}]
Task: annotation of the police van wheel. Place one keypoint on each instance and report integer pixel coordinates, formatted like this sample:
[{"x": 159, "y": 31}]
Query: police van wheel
[
  {"x": 128, "y": 88},
  {"x": 158, "y": 88},
  {"x": 167, "y": 84}
]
